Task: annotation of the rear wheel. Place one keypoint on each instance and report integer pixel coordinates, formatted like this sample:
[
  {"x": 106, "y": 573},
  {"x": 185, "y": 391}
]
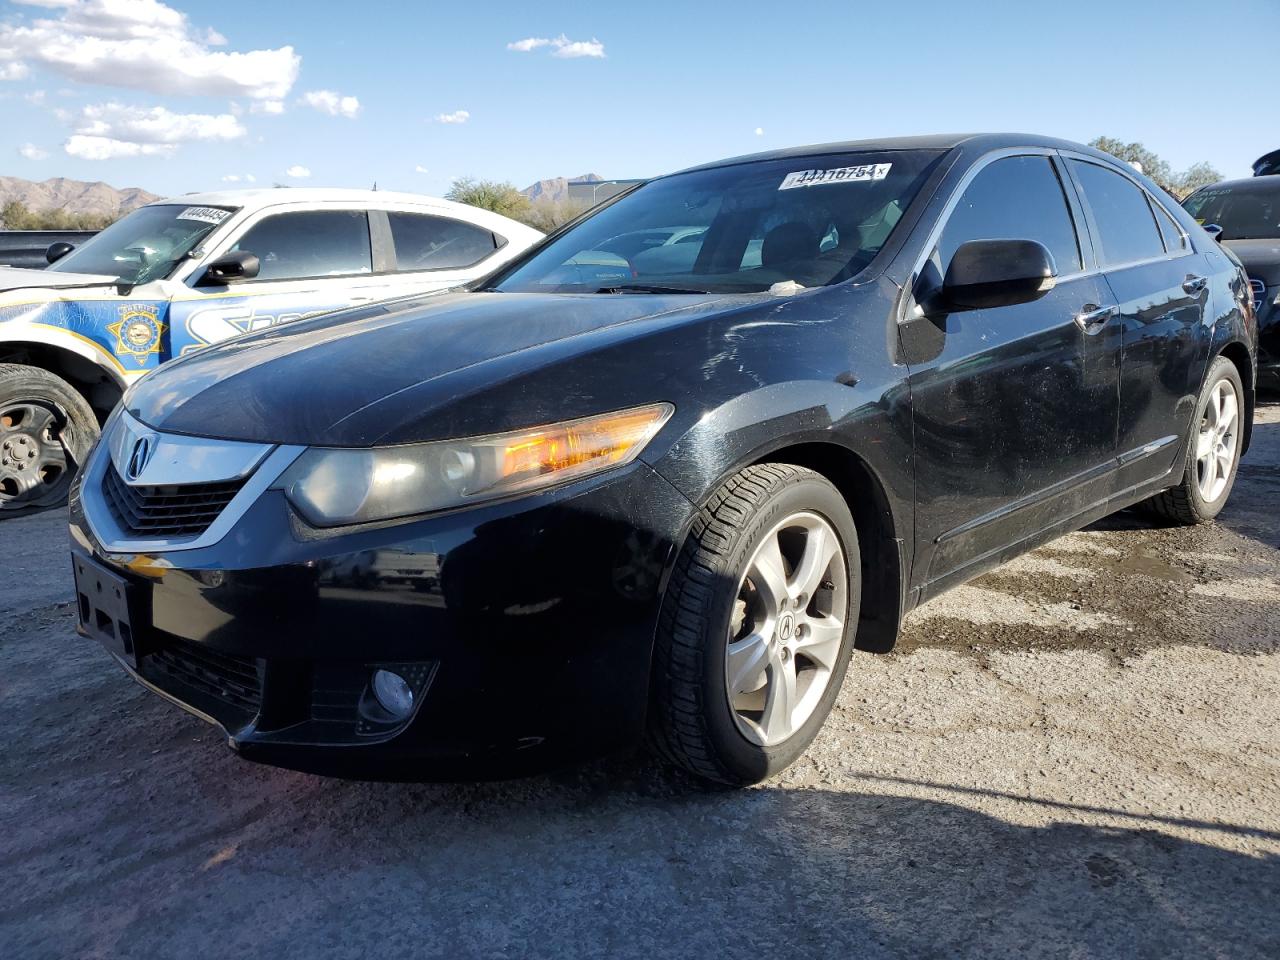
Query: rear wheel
[
  {"x": 46, "y": 430},
  {"x": 757, "y": 626},
  {"x": 1213, "y": 451}
]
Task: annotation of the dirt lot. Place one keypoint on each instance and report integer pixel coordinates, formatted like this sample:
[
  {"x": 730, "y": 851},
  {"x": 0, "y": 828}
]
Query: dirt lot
[{"x": 1076, "y": 756}]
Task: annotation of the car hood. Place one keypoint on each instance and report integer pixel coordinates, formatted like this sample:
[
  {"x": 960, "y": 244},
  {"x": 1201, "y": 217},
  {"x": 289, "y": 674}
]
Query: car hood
[
  {"x": 20, "y": 278},
  {"x": 320, "y": 381},
  {"x": 1261, "y": 258}
]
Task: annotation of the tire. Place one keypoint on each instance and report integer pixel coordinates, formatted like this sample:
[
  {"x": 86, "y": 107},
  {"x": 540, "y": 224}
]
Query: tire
[
  {"x": 696, "y": 720},
  {"x": 46, "y": 431},
  {"x": 1189, "y": 503}
]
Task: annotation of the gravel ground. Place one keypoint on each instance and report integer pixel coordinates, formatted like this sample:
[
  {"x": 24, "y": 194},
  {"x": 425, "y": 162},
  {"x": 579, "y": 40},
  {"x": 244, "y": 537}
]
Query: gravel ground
[{"x": 1075, "y": 756}]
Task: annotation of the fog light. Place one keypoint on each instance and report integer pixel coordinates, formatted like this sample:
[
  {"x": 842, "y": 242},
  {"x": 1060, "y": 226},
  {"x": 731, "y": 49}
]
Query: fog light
[{"x": 393, "y": 692}]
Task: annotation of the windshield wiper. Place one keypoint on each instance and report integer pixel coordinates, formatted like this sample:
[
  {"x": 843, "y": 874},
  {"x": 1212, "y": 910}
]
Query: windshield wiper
[{"x": 647, "y": 288}]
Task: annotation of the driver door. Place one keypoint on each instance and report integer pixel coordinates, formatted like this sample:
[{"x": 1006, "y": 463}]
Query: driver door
[
  {"x": 311, "y": 261},
  {"x": 1015, "y": 408}
]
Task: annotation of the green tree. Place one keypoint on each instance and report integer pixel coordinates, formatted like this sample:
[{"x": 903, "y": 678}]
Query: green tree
[
  {"x": 493, "y": 195},
  {"x": 15, "y": 215},
  {"x": 1177, "y": 183}
]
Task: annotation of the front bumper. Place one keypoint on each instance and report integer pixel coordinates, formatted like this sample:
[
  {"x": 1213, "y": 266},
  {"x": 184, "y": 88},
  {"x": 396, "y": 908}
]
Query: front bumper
[
  {"x": 530, "y": 645},
  {"x": 1269, "y": 339}
]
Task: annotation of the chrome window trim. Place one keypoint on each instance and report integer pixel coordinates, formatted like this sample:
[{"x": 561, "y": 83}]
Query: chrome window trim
[
  {"x": 271, "y": 461},
  {"x": 1187, "y": 248}
]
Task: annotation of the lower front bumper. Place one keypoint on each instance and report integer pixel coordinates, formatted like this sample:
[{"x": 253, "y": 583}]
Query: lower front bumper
[{"x": 529, "y": 645}]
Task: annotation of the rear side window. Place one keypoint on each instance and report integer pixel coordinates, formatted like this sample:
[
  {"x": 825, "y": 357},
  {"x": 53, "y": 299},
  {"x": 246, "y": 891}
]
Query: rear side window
[
  {"x": 1174, "y": 241},
  {"x": 310, "y": 244},
  {"x": 1124, "y": 218},
  {"x": 424, "y": 242},
  {"x": 1017, "y": 198}
]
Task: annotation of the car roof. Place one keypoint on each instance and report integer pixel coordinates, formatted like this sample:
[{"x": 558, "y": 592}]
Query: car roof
[
  {"x": 273, "y": 196},
  {"x": 1267, "y": 184},
  {"x": 976, "y": 142}
]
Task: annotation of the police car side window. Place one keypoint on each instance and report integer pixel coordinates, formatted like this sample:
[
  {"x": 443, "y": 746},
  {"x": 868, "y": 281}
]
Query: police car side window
[
  {"x": 310, "y": 244},
  {"x": 1016, "y": 198},
  {"x": 424, "y": 242}
]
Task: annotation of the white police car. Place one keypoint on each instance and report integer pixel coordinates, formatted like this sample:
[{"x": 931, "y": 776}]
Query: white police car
[{"x": 179, "y": 274}]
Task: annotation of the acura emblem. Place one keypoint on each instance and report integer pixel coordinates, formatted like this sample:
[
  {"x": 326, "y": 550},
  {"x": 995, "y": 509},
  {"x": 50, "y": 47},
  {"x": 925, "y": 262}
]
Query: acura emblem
[{"x": 140, "y": 457}]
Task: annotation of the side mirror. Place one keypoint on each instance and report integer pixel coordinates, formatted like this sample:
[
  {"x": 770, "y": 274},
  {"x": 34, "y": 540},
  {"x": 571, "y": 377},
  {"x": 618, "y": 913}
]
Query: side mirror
[
  {"x": 230, "y": 267},
  {"x": 57, "y": 250},
  {"x": 998, "y": 273},
  {"x": 1214, "y": 230}
]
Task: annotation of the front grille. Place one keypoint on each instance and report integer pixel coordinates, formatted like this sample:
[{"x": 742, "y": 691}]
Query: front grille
[
  {"x": 175, "y": 510},
  {"x": 1259, "y": 293},
  {"x": 229, "y": 678}
]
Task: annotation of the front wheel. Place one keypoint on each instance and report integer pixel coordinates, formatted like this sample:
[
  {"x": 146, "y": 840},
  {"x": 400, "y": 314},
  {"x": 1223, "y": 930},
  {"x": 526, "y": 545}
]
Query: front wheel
[
  {"x": 46, "y": 430},
  {"x": 757, "y": 626},
  {"x": 1213, "y": 451}
]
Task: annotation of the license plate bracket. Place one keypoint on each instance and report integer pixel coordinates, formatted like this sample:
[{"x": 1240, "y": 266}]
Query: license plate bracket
[{"x": 103, "y": 602}]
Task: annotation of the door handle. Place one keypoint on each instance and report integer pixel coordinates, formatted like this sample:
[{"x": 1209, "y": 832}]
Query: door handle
[
  {"x": 1093, "y": 318},
  {"x": 1194, "y": 284}
]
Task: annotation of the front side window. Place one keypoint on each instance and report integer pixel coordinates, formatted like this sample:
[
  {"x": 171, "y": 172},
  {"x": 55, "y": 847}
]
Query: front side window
[
  {"x": 310, "y": 244},
  {"x": 1244, "y": 213},
  {"x": 146, "y": 245},
  {"x": 425, "y": 242},
  {"x": 1016, "y": 198},
  {"x": 1126, "y": 225},
  {"x": 735, "y": 229}
]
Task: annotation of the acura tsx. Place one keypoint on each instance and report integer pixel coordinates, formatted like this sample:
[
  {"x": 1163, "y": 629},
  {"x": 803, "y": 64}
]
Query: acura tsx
[{"x": 662, "y": 492}]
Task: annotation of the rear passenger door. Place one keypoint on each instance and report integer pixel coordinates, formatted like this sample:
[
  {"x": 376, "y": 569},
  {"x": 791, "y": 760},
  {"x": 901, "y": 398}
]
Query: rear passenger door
[
  {"x": 1014, "y": 407},
  {"x": 1160, "y": 287},
  {"x": 431, "y": 251}
]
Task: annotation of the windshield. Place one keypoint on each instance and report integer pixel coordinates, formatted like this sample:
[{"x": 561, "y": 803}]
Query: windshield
[
  {"x": 1243, "y": 214},
  {"x": 146, "y": 245},
  {"x": 738, "y": 229}
]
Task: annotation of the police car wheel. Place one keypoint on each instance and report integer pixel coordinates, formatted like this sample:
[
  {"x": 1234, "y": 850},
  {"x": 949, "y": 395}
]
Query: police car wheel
[{"x": 46, "y": 430}]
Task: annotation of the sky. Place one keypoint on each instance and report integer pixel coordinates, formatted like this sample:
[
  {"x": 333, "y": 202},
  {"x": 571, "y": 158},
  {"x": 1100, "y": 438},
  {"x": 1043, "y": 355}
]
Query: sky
[{"x": 183, "y": 96}]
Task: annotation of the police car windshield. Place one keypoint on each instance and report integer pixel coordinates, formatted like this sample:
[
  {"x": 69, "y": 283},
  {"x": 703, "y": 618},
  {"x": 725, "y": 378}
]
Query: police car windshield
[
  {"x": 1248, "y": 212},
  {"x": 743, "y": 228},
  {"x": 146, "y": 245}
]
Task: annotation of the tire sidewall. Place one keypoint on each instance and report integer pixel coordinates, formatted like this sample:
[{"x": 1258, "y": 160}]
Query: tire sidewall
[
  {"x": 1221, "y": 369},
  {"x": 78, "y": 424},
  {"x": 745, "y": 759}
]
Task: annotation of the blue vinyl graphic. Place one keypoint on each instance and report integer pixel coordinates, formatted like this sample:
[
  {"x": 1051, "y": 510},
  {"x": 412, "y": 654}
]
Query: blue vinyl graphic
[{"x": 138, "y": 335}]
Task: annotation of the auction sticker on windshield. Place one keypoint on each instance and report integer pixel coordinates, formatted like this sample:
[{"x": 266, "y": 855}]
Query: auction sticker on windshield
[
  {"x": 203, "y": 214},
  {"x": 814, "y": 178}
]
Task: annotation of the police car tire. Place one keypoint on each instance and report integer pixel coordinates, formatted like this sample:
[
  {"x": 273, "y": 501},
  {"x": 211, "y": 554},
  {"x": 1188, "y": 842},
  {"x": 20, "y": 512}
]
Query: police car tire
[{"x": 78, "y": 424}]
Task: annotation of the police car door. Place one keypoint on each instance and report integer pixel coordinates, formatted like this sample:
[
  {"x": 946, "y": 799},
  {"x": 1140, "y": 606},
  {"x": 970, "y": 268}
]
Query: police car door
[
  {"x": 310, "y": 260},
  {"x": 433, "y": 251}
]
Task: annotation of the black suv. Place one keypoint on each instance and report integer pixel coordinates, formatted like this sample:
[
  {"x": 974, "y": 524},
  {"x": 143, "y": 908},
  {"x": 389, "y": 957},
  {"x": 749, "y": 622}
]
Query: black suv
[{"x": 1247, "y": 212}]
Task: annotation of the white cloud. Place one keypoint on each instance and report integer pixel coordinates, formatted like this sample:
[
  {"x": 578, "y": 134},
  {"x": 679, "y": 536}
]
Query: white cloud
[
  {"x": 107, "y": 148},
  {"x": 31, "y": 152},
  {"x": 334, "y": 104},
  {"x": 561, "y": 46},
  {"x": 155, "y": 124},
  {"x": 759, "y": 131},
  {"x": 298, "y": 172},
  {"x": 419, "y": 168},
  {"x": 13, "y": 70},
  {"x": 458, "y": 116},
  {"x": 35, "y": 96},
  {"x": 144, "y": 45},
  {"x": 272, "y": 107}
]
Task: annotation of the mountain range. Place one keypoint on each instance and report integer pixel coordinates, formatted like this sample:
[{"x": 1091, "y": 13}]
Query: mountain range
[
  {"x": 555, "y": 189},
  {"x": 73, "y": 196}
]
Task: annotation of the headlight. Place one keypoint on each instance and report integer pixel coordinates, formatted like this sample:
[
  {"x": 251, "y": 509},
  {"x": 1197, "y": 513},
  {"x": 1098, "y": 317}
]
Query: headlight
[{"x": 332, "y": 487}]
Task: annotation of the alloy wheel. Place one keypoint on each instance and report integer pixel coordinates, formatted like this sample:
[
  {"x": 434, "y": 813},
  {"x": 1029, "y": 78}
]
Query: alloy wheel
[
  {"x": 1216, "y": 441},
  {"x": 786, "y": 629}
]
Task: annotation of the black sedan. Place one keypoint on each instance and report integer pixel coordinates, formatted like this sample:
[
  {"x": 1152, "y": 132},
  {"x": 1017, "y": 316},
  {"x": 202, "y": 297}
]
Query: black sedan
[{"x": 611, "y": 495}]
